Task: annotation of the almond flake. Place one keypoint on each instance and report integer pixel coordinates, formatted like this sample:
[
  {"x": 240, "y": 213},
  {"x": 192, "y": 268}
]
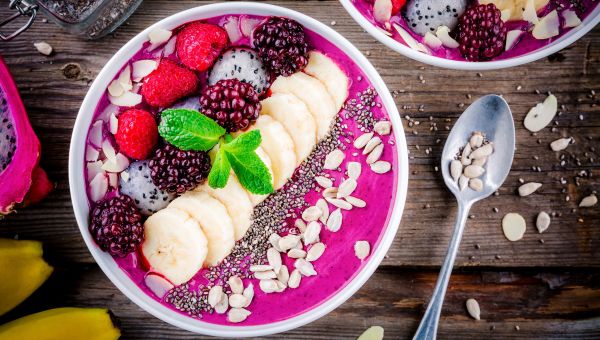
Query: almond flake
[
  {"x": 311, "y": 213},
  {"x": 300, "y": 224},
  {"x": 334, "y": 159},
  {"x": 296, "y": 253},
  {"x": 512, "y": 37},
  {"x": 268, "y": 286},
  {"x": 374, "y": 142},
  {"x": 547, "y": 27},
  {"x": 542, "y": 222},
  {"x": 142, "y": 68},
  {"x": 473, "y": 309},
  {"x": 260, "y": 268},
  {"x": 249, "y": 293},
  {"x": 560, "y": 144},
  {"x": 362, "y": 249},
  {"x": 571, "y": 18},
  {"x": 311, "y": 234},
  {"x": 157, "y": 37},
  {"x": 265, "y": 275},
  {"x": 330, "y": 192},
  {"x": 274, "y": 258},
  {"x": 513, "y": 226},
  {"x": 482, "y": 152},
  {"x": 410, "y": 40},
  {"x": 383, "y": 127},
  {"x": 288, "y": 242},
  {"x": 324, "y": 207},
  {"x": 215, "y": 295},
  {"x": 355, "y": 201},
  {"x": 223, "y": 305},
  {"x": 362, "y": 140},
  {"x": 456, "y": 169},
  {"x": 295, "y": 278},
  {"x": 353, "y": 169},
  {"x": 443, "y": 33},
  {"x": 284, "y": 275},
  {"x": 381, "y": 167},
  {"x": 127, "y": 99},
  {"x": 346, "y": 188},
  {"x": 236, "y": 315},
  {"x": 43, "y": 47},
  {"x": 588, "y": 201},
  {"x": 237, "y": 301},
  {"x": 236, "y": 285},
  {"x": 542, "y": 114},
  {"x": 115, "y": 89},
  {"x": 306, "y": 268},
  {"x": 334, "y": 222},
  {"x": 529, "y": 188},
  {"x": 339, "y": 203},
  {"x": 315, "y": 252},
  {"x": 113, "y": 124},
  {"x": 125, "y": 79},
  {"x": 91, "y": 154},
  {"x": 324, "y": 182},
  {"x": 375, "y": 154},
  {"x": 432, "y": 41}
]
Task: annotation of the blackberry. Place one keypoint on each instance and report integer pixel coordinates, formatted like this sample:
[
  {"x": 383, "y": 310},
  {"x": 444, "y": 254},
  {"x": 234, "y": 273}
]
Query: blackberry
[
  {"x": 231, "y": 103},
  {"x": 177, "y": 171},
  {"x": 481, "y": 33},
  {"x": 116, "y": 226},
  {"x": 281, "y": 44}
]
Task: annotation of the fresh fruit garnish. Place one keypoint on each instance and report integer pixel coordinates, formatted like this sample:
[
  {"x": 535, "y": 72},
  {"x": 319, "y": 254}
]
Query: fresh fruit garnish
[
  {"x": 138, "y": 185},
  {"x": 116, "y": 225},
  {"x": 177, "y": 171},
  {"x": 281, "y": 44},
  {"x": 397, "y": 6},
  {"x": 233, "y": 104},
  {"x": 424, "y": 16},
  {"x": 199, "y": 45},
  {"x": 481, "y": 33},
  {"x": 168, "y": 83},
  {"x": 242, "y": 64},
  {"x": 137, "y": 133}
]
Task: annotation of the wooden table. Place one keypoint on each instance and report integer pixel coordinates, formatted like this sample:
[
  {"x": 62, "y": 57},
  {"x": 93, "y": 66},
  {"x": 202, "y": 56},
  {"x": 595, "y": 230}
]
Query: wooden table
[{"x": 543, "y": 286}]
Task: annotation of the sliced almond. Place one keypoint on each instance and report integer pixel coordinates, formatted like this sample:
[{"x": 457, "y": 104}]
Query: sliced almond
[
  {"x": 588, "y": 201},
  {"x": 513, "y": 226},
  {"x": 296, "y": 253},
  {"x": 115, "y": 88},
  {"x": 274, "y": 258},
  {"x": 334, "y": 159},
  {"x": 463, "y": 182},
  {"x": 560, "y": 144},
  {"x": 354, "y": 169},
  {"x": 324, "y": 207},
  {"x": 284, "y": 274},
  {"x": 311, "y": 213},
  {"x": 473, "y": 171},
  {"x": 362, "y": 249},
  {"x": 306, "y": 268},
  {"x": 346, "y": 188},
  {"x": 127, "y": 99},
  {"x": 215, "y": 295},
  {"x": 266, "y": 275},
  {"x": 315, "y": 252},
  {"x": 157, "y": 37},
  {"x": 512, "y": 37},
  {"x": 381, "y": 167},
  {"x": 324, "y": 182},
  {"x": 249, "y": 293},
  {"x": 570, "y": 18},
  {"x": 355, "y": 201},
  {"x": 120, "y": 163},
  {"x": 334, "y": 222},
  {"x": 237, "y": 315},
  {"x": 542, "y": 222},
  {"x": 125, "y": 78},
  {"x": 362, "y": 140},
  {"x": 375, "y": 154},
  {"x": 339, "y": 203},
  {"x": 456, "y": 169},
  {"x": 530, "y": 13},
  {"x": 311, "y": 235},
  {"x": 268, "y": 286},
  {"x": 383, "y": 127},
  {"x": 91, "y": 154},
  {"x": 432, "y": 41},
  {"x": 371, "y": 145},
  {"x": 542, "y": 114},
  {"x": 382, "y": 11},
  {"x": 43, "y": 47},
  {"x": 238, "y": 301},
  {"x": 295, "y": 278},
  {"x": 410, "y": 40},
  {"x": 529, "y": 188},
  {"x": 476, "y": 184},
  {"x": 443, "y": 33},
  {"x": 236, "y": 284},
  {"x": 482, "y": 152},
  {"x": 113, "y": 124},
  {"x": 330, "y": 192},
  {"x": 260, "y": 268},
  {"x": 473, "y": 309},
  {"x": 547, "y": 27},
  {"x": 142, "y": 68},
  {"x": 274, "y": 240}
]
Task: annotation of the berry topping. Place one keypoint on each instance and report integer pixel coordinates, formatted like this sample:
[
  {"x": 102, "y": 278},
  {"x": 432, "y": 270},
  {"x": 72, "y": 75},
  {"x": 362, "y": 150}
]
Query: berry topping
[
  {"x": 281, "y": 44},
  {"x": 231, "y": 103},
  {"x": 397, "y": 6},
  {"x": 116, "y": 226},
  {"x": 481, "y": 33},
  {"x": 168, "y": 83},
  {"x": 177, "y": 171},
  {"x": 137, "y": 134},
  {"x": 199, "y": 45}
]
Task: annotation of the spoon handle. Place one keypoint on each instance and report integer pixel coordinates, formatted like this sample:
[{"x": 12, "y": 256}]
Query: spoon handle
[{"x": 428, "y": 328}]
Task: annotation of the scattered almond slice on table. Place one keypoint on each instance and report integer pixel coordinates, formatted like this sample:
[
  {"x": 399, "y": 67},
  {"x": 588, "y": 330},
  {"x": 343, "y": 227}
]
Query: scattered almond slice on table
[
  {"x": 372, "y": 333},
  {"x": 43, "y": 47},
  {"x": 529, "y": 188},
  {"x": 542, "y": 114},
  {"x": 589, "y": 201},
  {"x": 561, "y": 144},
  {"x": 513, "y": 226},
  {"x": 542, "y": 221},
  {"x": 473, "y": 309}
]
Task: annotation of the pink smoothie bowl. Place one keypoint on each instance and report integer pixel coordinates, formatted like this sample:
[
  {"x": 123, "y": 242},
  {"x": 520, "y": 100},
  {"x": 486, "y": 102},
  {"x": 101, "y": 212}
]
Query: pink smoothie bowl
[
  {"x": 124, "y": 283},
  {"x": 556, "y": 44}
]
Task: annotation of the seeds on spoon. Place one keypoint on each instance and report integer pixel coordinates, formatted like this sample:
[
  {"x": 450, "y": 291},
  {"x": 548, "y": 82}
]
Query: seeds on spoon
[
  {"x": 542, "y": 222},
  {"x": 473, "y": 309},
  {"x": 456, "y": 169},
  {"x": 513, "y": 226},
  {"x": 529, "y": 188},
  {"x": 482, "y": 152},
  {"x": 476, "y": 184},
  {"x": 464, "y": 157},
  {"x": 463, "y": 182},
  {"x": 473, "y": 171},
  {"x": 476, "y": 140}
]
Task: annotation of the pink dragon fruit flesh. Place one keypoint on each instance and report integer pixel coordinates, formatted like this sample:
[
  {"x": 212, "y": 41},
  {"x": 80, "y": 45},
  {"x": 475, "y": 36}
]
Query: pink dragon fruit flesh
[{"x": 22, "y": 181}]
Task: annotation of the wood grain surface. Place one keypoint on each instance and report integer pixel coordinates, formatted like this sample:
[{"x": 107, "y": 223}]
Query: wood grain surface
[{"x": 546, "y": 284}]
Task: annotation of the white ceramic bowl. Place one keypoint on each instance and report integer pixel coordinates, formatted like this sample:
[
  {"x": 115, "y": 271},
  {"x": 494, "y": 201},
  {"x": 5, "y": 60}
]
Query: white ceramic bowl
[
  {"x": 106, "y": 262},
  {"x": 570, "y": 37}
]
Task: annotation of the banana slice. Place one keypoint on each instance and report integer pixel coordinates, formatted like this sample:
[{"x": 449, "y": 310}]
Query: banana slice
[
  {"x": 314, "y": 94},
  {"x": 514, "y": 7},
  {"x": 213, "y": 218},
  {"x": 235, "y": 199},
  {"x": 291, "y": 112},
  {"x": 278, "y": 145},
  {"x": 330, "y": 74},
  {"x": 254, "y": 198},
  {"x": 174, "y": 245}
]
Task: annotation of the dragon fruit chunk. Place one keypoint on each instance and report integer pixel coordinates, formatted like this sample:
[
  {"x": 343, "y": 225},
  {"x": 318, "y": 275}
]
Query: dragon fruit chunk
[
  {"x": 22, "y": 182},
  {"x": 242, "y": 64},
  {"x": 424, "y": 16},
  {"x": 139, "y": 186}
]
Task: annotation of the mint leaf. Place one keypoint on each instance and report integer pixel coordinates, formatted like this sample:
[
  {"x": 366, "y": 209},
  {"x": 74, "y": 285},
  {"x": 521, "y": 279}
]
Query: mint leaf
[
  {"x": 220, "y": 170},
  {"x": 246, "y": 142},
  {"x": 251, "y": 171},
  {"x": 189, "y": 129}
]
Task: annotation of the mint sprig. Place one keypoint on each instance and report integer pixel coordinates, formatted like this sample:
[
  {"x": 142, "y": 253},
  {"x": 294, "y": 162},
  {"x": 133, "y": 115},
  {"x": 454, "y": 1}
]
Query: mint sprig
[{"x": 191, "y": 130}]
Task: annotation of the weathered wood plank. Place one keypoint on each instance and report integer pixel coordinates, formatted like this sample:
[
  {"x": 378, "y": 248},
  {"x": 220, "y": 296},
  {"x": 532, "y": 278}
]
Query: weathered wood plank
[
  {"x": 550, "y": 305},
  {"x": 53, "y": 93}
]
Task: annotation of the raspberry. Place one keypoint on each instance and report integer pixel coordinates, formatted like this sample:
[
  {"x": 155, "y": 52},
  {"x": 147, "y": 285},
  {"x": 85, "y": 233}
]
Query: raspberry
[
  {"x": 137, "y": 134},
  {"x": 168, "y": 83},
  {"x": 481, "y": 33},
  {"x": 116, "y": 226},
  {"x": 281, "y": 44},
  {"x": 397, "y": 6},
  {"x": 231, "y": 103},
  {"x": 178, "y": 171},
  {"x": 199, "y": 45}
]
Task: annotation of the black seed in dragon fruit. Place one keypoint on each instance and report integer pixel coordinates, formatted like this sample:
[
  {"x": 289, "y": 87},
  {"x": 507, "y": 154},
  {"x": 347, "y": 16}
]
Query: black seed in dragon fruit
[
  {"x": 424, "y": 16},
  {"x": 139, "y": 186},
  {"x": 8, "y": 137},
  {"x": 242, "y": 64}
]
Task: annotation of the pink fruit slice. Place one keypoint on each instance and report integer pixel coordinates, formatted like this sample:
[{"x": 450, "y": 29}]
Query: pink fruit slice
[{"x": 21, "y": 180}]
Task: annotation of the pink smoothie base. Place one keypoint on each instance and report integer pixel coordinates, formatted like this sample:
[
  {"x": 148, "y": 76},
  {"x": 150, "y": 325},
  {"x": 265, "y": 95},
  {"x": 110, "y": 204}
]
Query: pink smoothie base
[
  {"x": 526, "y": 44},
  {"x": 338, "y": 265}
]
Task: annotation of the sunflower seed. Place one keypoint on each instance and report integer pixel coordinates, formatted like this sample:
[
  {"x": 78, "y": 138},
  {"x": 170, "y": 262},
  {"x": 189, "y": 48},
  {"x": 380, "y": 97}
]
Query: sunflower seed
[
  {"x": 274, "y": 240},
  {"x": 265, "y": 275},
  {"x": 482, "y": 152},
  {"x": 260, "y": 268},
  {"x": 456, "y": 169},
  {"x": 274, "y": 258},
  {"x": 288, "y": 242},
  {"x": 330, "y": 192},
  {"x": 268, "y": 286},
  {"x": 334, "y": 159},
  {"x": 383, "y": 127},
  {"x": 306, "y": 268},
  {"x": 464, "y": 157},
  {"x": 473, "y": 309},
  {"x": 357, "y": 202},
  {"x": 311, "y": 214},
  {"x": 476, "y": 140},
  {"x": 236, "y": 285},
  {"x": 223, "y": 305},
  {"x": 296, "y": 253},
  {"x": 589, "y": 201},
  {"x": 295, "y": 278},
  {"x": 463, "y": 182},
  {"x": 513, "y": 226},
  {"x": 473, "y": 171},
  {"x": 301, "y": 225},
  {"x": 354, "y": 169},
  {"x": 476, "y": 184},
  {"x": 542, "y": 222},
  {"x": 237, "y": 301},
  {"x": 375, "y": 155},
  {"x": 346, "y": 188},
  {"x": 560, "y": 144},
  {"x": 237, "y": 315},
  {"x": 362, "y": 249},
  {"x": 324, "y": 182},
  {"x": 284, "y": 275},
  {"x": 361, "y": 141},
  {"x": 311, "y": 235},
  {"x": 529, "y": 188},
  {"x": 381, "y": 167},
  {"x": 215, "y": 295},
  {"x": 371, "y": 145},
  {"x": 479, "y": 161},
  {"x": 249, "y": 293},
  {"x": 315, "y": 252},
  {"x": 335, "y": 221},
  {"x": 322, "y": 204}
]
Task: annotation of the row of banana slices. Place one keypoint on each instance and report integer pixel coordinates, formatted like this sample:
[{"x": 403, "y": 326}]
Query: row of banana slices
[{"x": 200, "y": 227}]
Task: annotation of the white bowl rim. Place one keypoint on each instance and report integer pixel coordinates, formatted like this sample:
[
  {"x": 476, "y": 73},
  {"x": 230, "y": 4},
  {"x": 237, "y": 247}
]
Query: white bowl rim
[
  {"x": 107, "y": 263},
  {"x": 570, "y": 37}
]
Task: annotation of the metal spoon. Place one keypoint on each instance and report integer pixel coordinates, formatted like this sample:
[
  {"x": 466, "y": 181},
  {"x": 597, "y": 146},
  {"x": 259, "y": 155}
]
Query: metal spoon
[{"x": 492, "y": 116}]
